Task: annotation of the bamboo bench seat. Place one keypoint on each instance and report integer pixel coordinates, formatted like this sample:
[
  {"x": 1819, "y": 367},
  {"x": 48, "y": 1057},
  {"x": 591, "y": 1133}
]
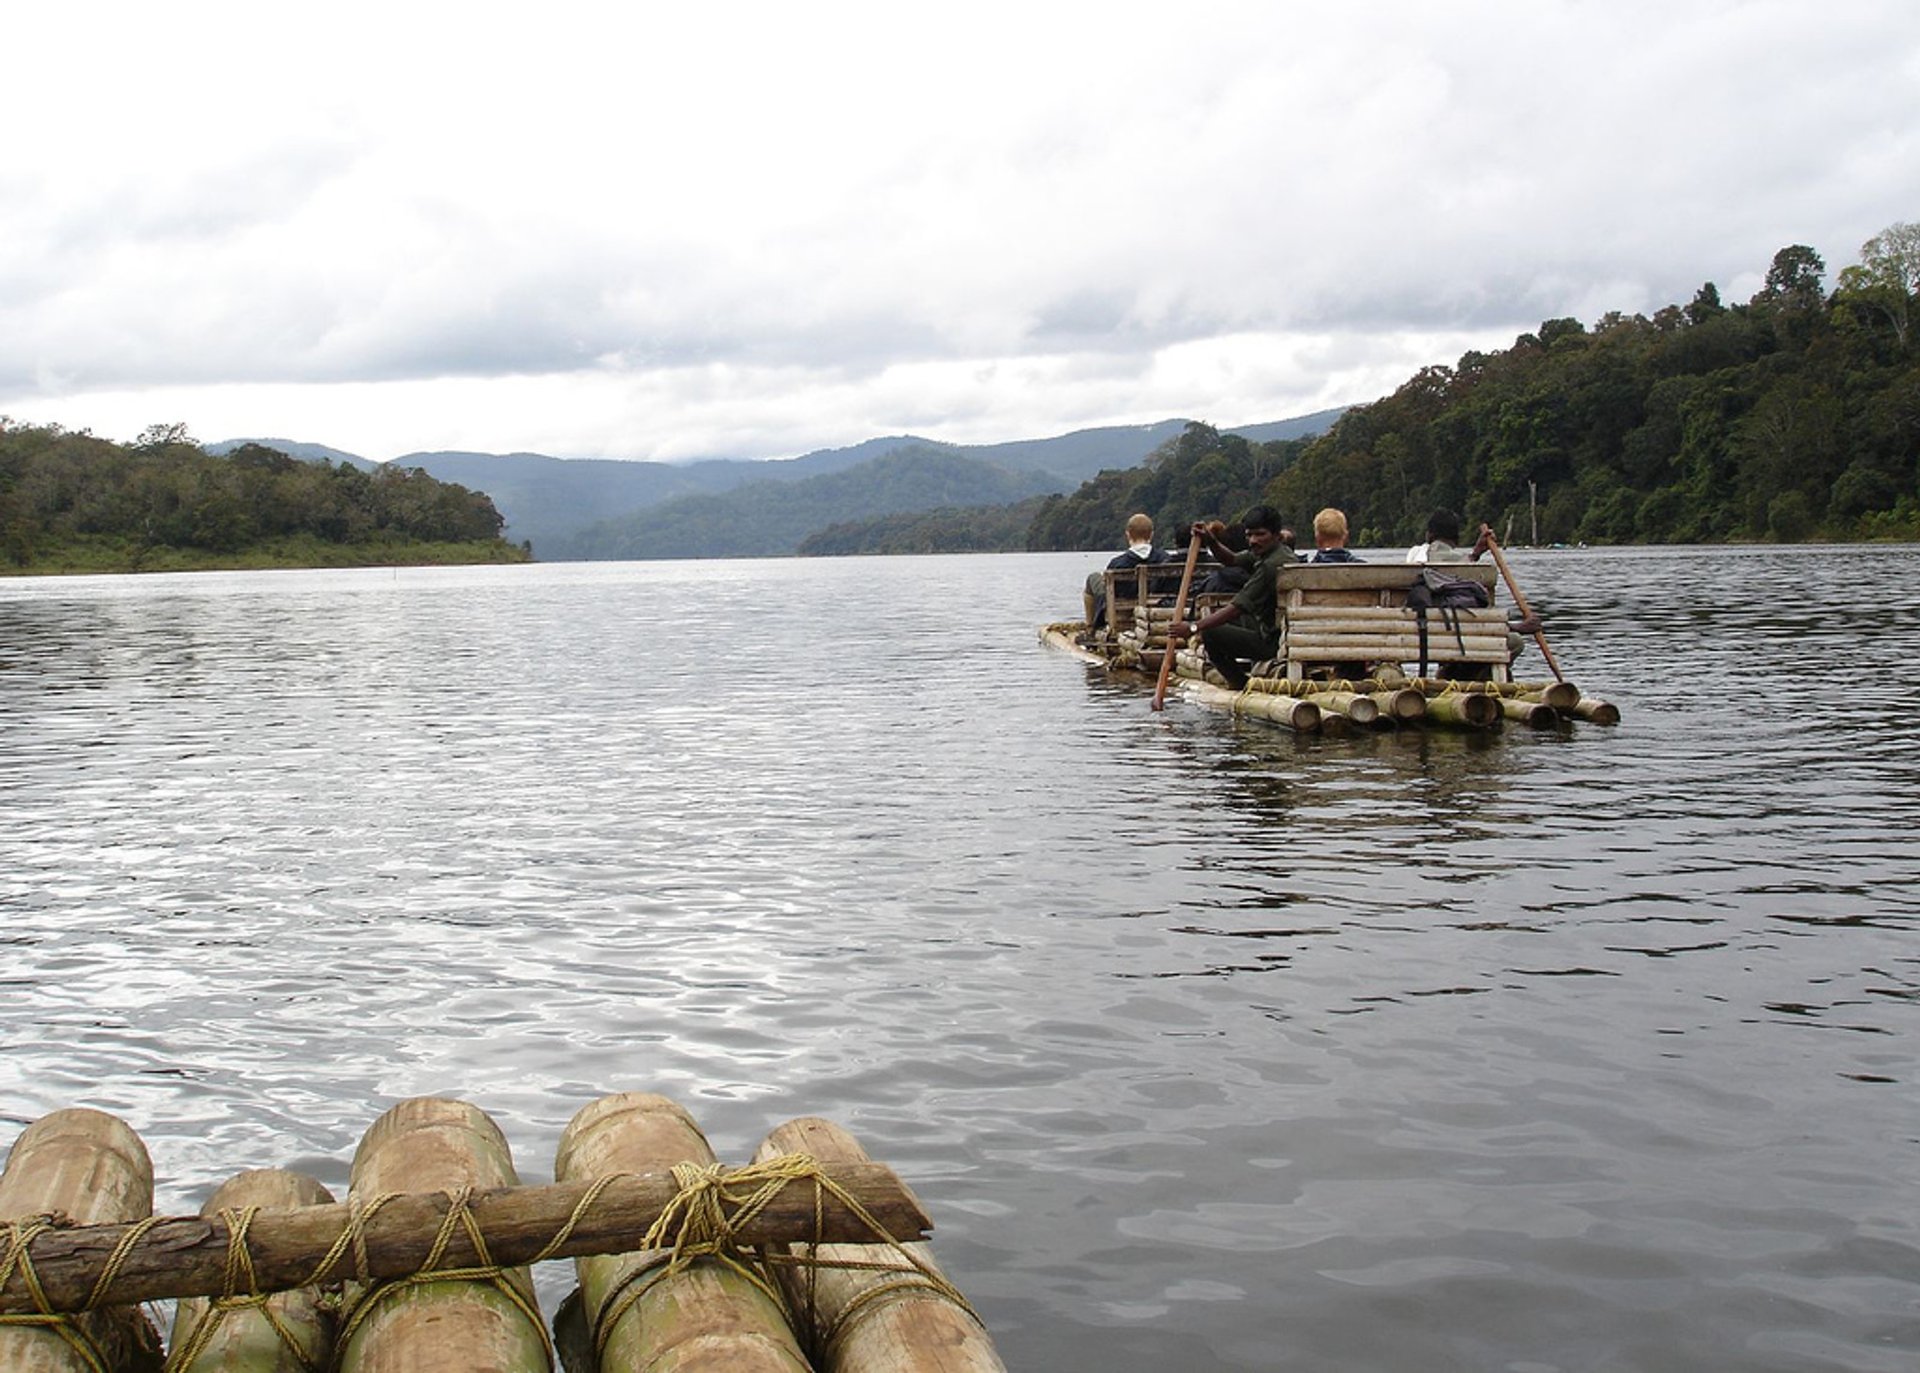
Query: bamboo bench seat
[{"x": 1335, "y": 614}]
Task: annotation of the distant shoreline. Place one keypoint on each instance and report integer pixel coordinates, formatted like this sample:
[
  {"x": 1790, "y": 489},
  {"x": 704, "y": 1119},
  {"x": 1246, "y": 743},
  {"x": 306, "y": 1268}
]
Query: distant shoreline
[{"x": 112, "y": 559}]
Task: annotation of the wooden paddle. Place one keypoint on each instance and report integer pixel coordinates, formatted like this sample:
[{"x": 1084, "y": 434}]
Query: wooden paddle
[
  {"x": 1179, "y": 610},
  {"x": 1520, "y": 600}
]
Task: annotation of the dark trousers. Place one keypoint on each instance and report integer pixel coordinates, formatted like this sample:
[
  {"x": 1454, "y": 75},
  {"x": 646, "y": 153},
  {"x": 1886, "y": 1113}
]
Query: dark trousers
[{"x": 1233, "y": 648}]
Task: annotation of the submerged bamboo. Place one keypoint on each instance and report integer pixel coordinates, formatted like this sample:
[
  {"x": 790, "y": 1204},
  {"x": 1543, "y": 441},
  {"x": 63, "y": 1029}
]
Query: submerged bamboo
[
  {"x": 644, "y": 1314},
  {"x": 454, "y": 1324},
  {"x": 899, "y": 1317},
  {"x": 91, "y": 1167},
  {"x": 291, "y": 1332}
]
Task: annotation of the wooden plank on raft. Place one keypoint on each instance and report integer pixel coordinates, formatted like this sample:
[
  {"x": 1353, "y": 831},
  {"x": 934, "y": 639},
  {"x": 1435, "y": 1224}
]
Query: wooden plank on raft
[{"x": 186, "y": 1256}]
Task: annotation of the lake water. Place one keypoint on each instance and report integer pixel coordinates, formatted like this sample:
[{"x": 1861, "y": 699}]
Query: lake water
[{"x": 1208, "y": 1046}]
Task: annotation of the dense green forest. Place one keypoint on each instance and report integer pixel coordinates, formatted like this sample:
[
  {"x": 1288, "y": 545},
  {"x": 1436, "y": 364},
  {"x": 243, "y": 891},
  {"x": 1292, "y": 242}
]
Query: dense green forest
[
  {"x": 70, "y": 502},
  {"x": 1795, "y": 416},
  {"x": 951, "y": 529}
]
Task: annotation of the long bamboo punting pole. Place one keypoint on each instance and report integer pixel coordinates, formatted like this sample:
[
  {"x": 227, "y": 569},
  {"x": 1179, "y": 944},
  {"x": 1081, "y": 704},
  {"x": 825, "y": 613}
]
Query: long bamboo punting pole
[
  {"x": 898, "y": 1315},
  {"x": 186, "y": 1256},
  {"x": 91, "y": 1167},
  {"x": 1180, "y": 605},
  {"x": 642, "y": 1313},
  {"x": 1520, "y": 600}
]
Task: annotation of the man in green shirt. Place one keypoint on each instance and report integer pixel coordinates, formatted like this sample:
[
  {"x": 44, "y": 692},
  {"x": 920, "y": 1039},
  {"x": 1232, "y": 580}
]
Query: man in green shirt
[{"x": 1244, "y": 632}]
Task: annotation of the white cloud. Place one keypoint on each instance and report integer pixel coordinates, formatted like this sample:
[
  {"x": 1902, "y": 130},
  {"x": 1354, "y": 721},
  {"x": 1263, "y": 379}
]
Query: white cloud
[{"x": 756, "y": 229}]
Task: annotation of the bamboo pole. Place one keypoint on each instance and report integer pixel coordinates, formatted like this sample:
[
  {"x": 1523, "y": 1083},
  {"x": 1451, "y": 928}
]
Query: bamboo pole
[
  {"x": 1362, "y": 710},
  {"x": 1294, "y": 712},
  {"x": 1559, "y": 695},
  {"x": 455, "y": 1324},
  {"x": 900, "y": 1319},
  {"x": 1180, "y": 602},
  {"x": 1534, "y": 714},
  {"x": 1445, "y": 645},
  {"x": 291, "y": 1332},
  {"x": 1400, "y": 703},
  {"x": 1520, "y": 600},
  {"x": 1474, "y": 709},
  {"x": 92, "y": 1167},
  {"x": 645, "y": 1316},
  {"x": 1597, "y": 711}
]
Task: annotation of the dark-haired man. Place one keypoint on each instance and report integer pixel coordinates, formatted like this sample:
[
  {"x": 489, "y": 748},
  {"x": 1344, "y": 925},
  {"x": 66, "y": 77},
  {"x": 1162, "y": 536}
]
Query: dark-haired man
[{"x": 1243, "y": 631}]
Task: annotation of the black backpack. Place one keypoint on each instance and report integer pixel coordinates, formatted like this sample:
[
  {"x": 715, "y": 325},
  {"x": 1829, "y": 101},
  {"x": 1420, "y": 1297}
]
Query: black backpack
[{"x": 1437, "y": 591}]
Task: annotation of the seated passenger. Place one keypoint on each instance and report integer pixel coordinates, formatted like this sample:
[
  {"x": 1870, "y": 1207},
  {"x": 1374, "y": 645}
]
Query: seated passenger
[
  {"x": 1139, "y": 550},
  {"x": 1443, "y": 538},
  {"x": 1330, "y": 538}
]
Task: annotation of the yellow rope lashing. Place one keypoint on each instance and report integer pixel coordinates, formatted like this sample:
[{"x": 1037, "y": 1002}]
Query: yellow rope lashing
[{"x": 19, "y": 1259}]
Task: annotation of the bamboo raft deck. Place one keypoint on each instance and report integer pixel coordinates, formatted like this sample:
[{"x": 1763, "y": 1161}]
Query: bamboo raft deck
[
  {"x": 810, "y": 1259},
  {"x": 1347, "y": 638}
]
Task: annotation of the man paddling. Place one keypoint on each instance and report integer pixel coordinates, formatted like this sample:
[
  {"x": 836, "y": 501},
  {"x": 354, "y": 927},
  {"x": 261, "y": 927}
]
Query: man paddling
[{"x": 1243, "y": 631}]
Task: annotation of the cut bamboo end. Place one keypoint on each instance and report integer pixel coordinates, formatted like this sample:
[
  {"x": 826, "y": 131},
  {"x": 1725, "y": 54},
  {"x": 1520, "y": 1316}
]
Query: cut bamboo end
[
  {"x": 901, "y": 1319},
  {"x": 451, "y": 1325},
  {"x": 640, "y": 1315},
  {"x": 1473, "y": 709},
  {"x": 1597, "y": 711},
  {"x": 292, "y": 1332},
  {"x": 1401, "y": 703},
  {"x": 92, "y": 1167},
  {"x": 1533, "y": 714}
]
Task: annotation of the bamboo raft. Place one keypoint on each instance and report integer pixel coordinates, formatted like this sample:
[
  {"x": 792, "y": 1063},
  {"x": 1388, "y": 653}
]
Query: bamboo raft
[
  {"x": 1347, "y": 638},
  {"x": 810, "y": 1259}
]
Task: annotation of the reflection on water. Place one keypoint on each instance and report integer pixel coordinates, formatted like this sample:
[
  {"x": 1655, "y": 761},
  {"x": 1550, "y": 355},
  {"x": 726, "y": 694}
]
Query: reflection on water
[{"x": 1209, "y": 1046}]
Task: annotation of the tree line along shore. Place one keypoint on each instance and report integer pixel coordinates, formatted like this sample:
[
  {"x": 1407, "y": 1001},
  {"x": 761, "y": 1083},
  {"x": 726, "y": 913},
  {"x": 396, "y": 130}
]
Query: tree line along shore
[{"x": 71, "y": 502}]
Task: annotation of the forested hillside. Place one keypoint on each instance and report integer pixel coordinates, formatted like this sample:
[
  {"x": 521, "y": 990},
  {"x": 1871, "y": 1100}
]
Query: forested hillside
[
  {"x": 767, "y": 519},
  {"x": 1793, "y": 416},
  {"x": 73, "y": 502}
]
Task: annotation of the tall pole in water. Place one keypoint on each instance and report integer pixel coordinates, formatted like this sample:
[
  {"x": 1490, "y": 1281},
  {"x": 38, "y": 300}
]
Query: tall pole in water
[{"x": 1533, "y": 510}]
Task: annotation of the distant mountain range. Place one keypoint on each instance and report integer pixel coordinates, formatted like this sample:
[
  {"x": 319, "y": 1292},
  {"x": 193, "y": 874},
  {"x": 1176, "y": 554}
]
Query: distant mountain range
[{"x": 601, "y": 508}]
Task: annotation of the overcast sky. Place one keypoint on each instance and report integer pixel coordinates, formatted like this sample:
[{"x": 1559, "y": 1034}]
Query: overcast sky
[{"x": 646, "y": 231}]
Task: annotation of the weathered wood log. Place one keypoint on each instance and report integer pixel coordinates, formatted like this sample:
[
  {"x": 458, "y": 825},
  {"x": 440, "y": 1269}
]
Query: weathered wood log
[
  {"x": 898, "y": 1321},
  {"x": 1474, "y": 709},
  {"x": 450, "y": 1325},
  {"x": 1533, "y": 714},
  {"x": 92, "y": 1168},
  {"x": 185, "y": 1256},
  {"x": 707, "y": 1315},
  {"x": 1596, "y": 711},
  {"x": 216, "y": 1338}
]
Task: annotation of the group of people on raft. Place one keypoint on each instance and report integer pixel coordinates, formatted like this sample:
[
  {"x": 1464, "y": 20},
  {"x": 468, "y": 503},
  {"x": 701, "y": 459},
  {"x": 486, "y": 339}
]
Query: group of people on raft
[{"x": 1245, "y": 630}]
